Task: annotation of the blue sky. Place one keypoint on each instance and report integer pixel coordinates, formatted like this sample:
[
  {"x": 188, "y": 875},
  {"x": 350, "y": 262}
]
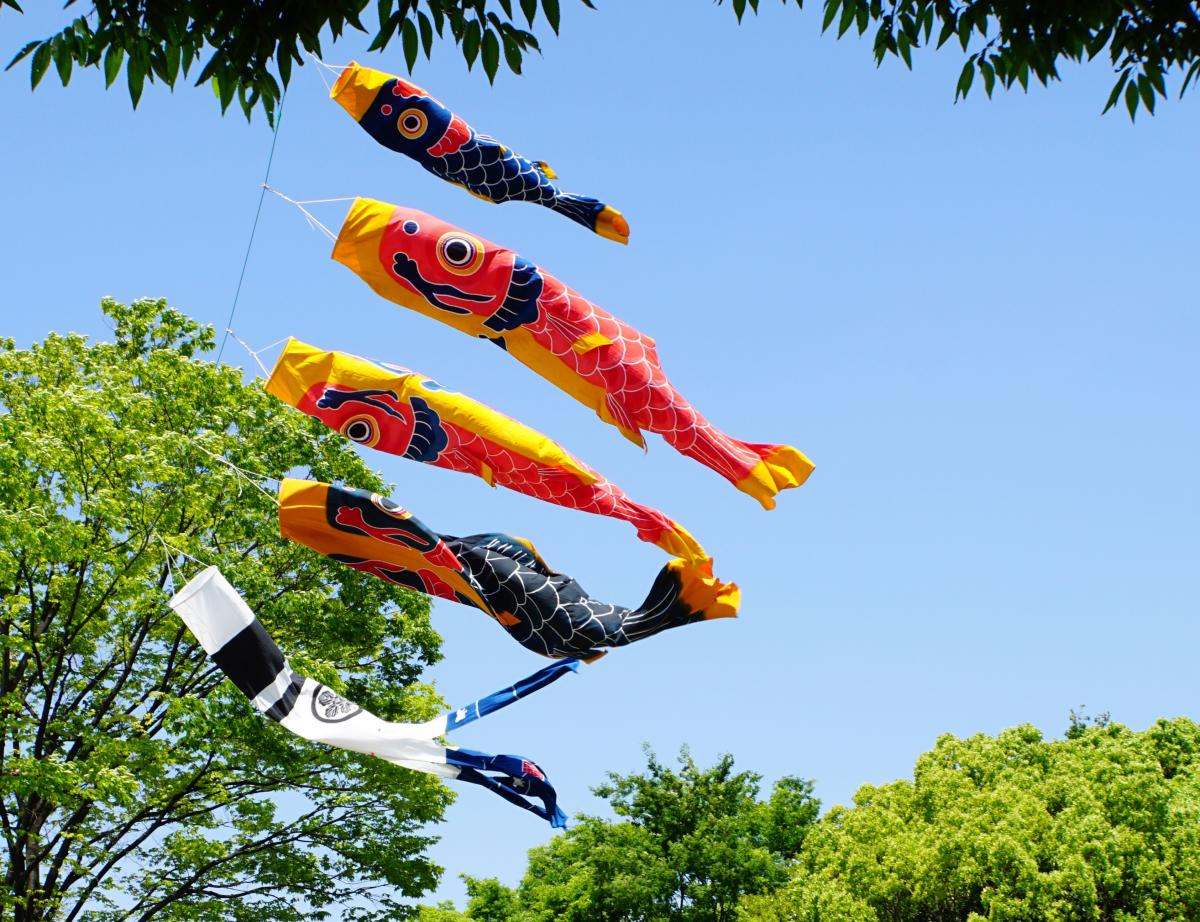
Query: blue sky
[{"x": 979, "y": 320}]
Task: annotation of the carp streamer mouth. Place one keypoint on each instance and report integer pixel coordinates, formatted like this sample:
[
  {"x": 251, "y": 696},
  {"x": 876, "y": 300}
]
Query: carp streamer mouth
[
  {"x": 611, "y": 225},
  {"x": 406, "y": 268}
]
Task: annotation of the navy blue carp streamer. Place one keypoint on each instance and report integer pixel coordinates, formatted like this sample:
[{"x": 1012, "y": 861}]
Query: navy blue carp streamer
[
  {"x": 236, "y": 641},
  {"x": 503, "y": 576},
  {"x": 405, "y": 118}
]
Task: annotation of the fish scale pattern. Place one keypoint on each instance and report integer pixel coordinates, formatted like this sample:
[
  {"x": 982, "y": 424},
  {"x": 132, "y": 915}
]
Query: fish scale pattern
[
  {"x": 488, "y": 168},
  {"x": 407, "y": 119},
  {"x": 626, "y": 366},
  {"x": 545, "y": 611},
  {"x": 551, "y": 613},
  {"x": 411, "y": 428}
]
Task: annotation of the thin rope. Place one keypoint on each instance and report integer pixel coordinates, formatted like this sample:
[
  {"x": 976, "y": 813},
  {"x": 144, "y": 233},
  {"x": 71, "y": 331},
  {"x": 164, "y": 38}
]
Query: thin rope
[
  {"x": 251, "y": 477},
  {"x": 318, "y": 201},
  {"x": 253, "y": 354},
  {"x": 168, "y": 551},
  {"x": 167, "y": 559},
  {"x": 334, "y": 68},
  {"x": 321, "y": 74},
  {"x": 254, "y": 227},
  {"x": 308, "y": 216},
  {"x": 282, "y": 339}
]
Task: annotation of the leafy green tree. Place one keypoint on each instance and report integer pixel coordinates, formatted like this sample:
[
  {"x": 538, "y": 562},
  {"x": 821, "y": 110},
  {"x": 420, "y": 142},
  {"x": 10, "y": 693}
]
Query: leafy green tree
[
  {"x": 1010, "y": 40},
  {"x": 687, "y": 846},
  {"x": 442, "y": 912},
  {"x": 488, "y": 900},
  {"x": 1103, "y": 825},
  {"x": 134, "y": 782},
  {"x": 249, "y": 49}
]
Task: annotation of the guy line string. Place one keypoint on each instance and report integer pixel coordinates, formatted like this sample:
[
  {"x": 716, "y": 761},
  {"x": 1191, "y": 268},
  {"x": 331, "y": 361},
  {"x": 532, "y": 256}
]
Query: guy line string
[
  {"x": 312, "y": 220},
  {"x": 322, "y": 66},
  {"x": 254, "y": 227},
  {"x": 255, "y": 353}
]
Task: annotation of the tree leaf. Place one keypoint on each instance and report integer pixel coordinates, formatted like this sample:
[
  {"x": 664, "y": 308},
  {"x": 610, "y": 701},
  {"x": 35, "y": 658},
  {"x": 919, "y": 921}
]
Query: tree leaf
[
  {"x": 989, "y": 77},
  {"x": 491, "y": 54},
  {"x": 426, "y": 34},
  {"x": 471, "y": 42},
  {"x": 847, "y": 17},
  {"x": 529, "y": 8},
  {"x": 1146, "y": 91},
  {"x": 112, "y": 63},
  {"x": 386, "y": 31},
  {"x": 512, "y": 54},
  {"x": 1192, "y": 73},
  {"x": 383, "y": 11},
  {"x": 41, "y": 61},
  {"x": 550, "y": 8},
  {"x": 135, "y": 74},
  {"x": 739, "y": 9},
  {"x": 22, "y": 54},
  {"x": 1131, "y": 100},
  {"x": 283, "y": 60},
  {"x": 1116, "y": 91},
  {"x": 965, "y": 79},
  {"x": 439, "y": 17},
  {"x": 831, "y": 8},
  {"x": 411, "y": 43},
  {"x": 63, "y": 61}
]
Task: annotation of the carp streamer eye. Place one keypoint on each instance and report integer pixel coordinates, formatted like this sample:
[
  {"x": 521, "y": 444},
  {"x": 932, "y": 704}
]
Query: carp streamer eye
[
  {"x": 460, "y": 253},
  {"x": 412, "y": 123},
  {"x": 390, "y": 506},
  {"x": 361, "y": 429}
]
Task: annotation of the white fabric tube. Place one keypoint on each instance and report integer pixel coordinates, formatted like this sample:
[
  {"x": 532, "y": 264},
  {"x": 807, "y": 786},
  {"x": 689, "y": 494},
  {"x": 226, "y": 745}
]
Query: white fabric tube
[{"x": 237, "y": 642}]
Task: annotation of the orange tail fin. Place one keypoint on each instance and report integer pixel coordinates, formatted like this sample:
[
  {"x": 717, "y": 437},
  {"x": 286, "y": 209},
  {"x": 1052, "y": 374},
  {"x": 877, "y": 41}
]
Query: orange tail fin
[{"x": 781, "y": 467}]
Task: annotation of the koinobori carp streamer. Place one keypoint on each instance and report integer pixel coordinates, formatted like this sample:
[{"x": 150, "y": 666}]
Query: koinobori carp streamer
[
  {"x": 420, "y": 262},
  {"x": 407, "y": 119},
  {"x": 399, "y": 411},
  {"x": 503, "y": 576},
  {"x": 237, "y": 642}
]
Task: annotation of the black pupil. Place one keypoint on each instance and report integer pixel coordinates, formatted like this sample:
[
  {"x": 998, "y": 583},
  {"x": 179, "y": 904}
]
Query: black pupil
[
  {"x": 457, "y": 251},
  {"x": 412, "y": 123},
  {"x": 359, "y": 431}
]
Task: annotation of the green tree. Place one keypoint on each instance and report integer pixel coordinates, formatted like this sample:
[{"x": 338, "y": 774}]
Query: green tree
[
  {"x": 249, "y": 49},
  {"x": 134, "y": 782},
  {"x": 488, "y": 900},
  {"x": 1102, "y": 825},
  {"x": 1010, "y": 40},
  {"x": 442, "y": 912},
  {"x": 687, "y": 845}
]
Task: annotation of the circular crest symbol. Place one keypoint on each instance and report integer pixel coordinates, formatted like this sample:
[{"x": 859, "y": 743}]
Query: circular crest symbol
[{"x": 331, "y": 708}]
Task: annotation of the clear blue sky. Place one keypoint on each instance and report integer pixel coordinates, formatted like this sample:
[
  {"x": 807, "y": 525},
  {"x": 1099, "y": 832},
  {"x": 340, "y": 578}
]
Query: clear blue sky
[{"x": 979, "y": 320}]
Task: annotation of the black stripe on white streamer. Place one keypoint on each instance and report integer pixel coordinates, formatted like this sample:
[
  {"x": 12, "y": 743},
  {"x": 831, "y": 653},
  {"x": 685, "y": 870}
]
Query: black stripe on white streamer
[{"x": 232, "y": 636}]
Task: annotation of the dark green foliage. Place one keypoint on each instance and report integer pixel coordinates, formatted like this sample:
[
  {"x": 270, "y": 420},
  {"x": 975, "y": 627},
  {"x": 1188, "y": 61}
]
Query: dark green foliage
[
  {"x": 248, "y": 49},
  {"x": 1010, "y": 40},
  {"x": 135, "y": 782}
]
